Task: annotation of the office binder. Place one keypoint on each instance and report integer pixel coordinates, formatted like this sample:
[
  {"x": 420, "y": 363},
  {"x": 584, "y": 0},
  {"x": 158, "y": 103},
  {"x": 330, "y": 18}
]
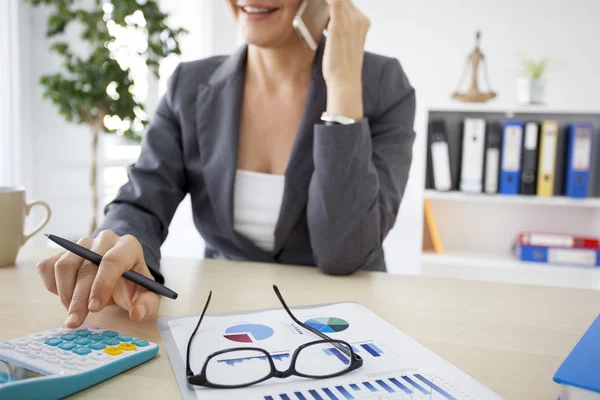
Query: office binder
[
  {"x": 440, "y": 156},
  {"x": 547, "y": 158},
  {"x": 530, "y": 159},
  {"x": 559, "y": 255},
  {"x": 510, "y": 170},
  {"x": 491, "y": 170},
  {"x": 579, "y": 373},
  {"x": 561, "y": 161},
  {"x": 471, "y": 173},
  {"x": 579, "y": 159},
  {"x": 551, "y": 239}
]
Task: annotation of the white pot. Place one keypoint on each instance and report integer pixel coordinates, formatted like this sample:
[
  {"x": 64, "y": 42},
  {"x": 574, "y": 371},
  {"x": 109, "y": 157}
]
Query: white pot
[{"x": 530, "y": 91}]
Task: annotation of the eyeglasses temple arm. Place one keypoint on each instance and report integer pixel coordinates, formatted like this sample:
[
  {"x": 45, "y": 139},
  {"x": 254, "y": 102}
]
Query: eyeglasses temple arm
[
  {"x": 309, "y": 328},
  {"x": 188, "y": 368}
]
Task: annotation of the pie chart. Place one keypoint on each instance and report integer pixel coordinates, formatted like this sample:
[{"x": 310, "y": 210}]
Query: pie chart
[
  {"x": 248, "y": 333},
  {"x": 328, "y": 324}
]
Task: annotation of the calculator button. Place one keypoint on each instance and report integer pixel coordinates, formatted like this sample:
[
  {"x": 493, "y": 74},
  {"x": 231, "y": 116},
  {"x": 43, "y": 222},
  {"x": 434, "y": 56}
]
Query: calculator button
[
  {"x": 22, "y": 350},
  {"x": 36, "y": 345},
  {"x": 125, "y": 338},
  {"x": 51, "y": 359},
  {"x": 83, "y": 332},
  {"x": 95, "y": 330},
  {"x": 111, "y": 341},
  {"x": 66, "y": 356},
  {"x": 23, "y": 341},
  {"x": 127, "y": 346},
  {"x": 53, "y": 332},
  {"x": 140, "y": 342},
  {"x": 36, "y": 354},
  {"x": 97, "y": 345},
  {"x": 97, "y": 356},
  {"x": 53, "y": 341},
  {"x": 82, "y": 351},
  {"x": 110, "y": 334},
  {"x": 70, "y": 365},
  {"x": 67, "y": 345},
  {"x": 82, "y": 341},
  {"x": 50, "y": 350},
  {"x": 7, "y": 345},
  {"x": 95, "y": 337},
  {"x": 83, "y": 362},
  {"x": 68, "y": 337},
  {"x": 37, "y": 336},
  {"x": 113, "y": 351}
]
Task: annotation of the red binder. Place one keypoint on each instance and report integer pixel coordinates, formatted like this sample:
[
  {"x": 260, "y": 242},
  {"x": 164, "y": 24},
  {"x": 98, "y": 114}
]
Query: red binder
[{"x": 558, "y": 240}]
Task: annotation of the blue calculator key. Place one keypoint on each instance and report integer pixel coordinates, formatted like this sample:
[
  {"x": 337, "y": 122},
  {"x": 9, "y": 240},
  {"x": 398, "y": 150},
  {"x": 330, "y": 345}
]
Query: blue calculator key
[
  {"x": 140, "y": 342},
  {"x": 82, "y": 350},
  {"x": 83, "y": 333},
  {"x": 124, "y": 338},
  {"x": 82, "y": 341},
  {"x": 109, "y": 334},
  {"x": 95, "y": 337},
  {"x": 53, "y": 341},
  {"x": 96, "y": 345},
  {"x": 111, "y": 341},
  {"x": 68, "y": 337},
  {"x": 67, "y": 345}
]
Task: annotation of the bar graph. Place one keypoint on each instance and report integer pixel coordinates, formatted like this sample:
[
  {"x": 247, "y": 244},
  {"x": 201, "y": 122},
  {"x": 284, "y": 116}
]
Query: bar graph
[
  {"x": 233, "y": 361},
  {"x": 413, "y": 386}
]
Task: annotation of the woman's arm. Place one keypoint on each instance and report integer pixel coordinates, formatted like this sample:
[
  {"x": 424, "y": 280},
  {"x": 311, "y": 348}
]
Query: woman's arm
[
  {"x": 145, "y": 205},
  {"x": 361, "y": 170}
]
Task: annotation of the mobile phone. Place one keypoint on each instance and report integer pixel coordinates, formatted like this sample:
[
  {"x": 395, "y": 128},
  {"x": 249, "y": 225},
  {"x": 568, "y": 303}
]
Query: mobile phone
[{"x": 311, "y": 20}]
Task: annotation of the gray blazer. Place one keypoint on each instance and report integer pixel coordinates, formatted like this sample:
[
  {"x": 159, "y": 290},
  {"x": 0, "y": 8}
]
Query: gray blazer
[{"x": 343, "y": 184}]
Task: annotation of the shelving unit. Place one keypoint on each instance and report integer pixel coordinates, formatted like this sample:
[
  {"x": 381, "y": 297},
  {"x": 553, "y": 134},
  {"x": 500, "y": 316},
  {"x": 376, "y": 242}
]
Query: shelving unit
[{"x": 478, "y": 230}]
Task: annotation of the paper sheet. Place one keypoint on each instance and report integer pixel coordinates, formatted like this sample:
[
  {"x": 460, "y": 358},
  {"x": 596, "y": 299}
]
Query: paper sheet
[{"x": 395, "y": 366}]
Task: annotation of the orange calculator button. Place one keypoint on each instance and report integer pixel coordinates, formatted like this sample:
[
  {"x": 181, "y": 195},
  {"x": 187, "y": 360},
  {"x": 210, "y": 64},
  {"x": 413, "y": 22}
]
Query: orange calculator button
[
  {"x": 127, "y": 346},
  {"x": 113, "y": 351}
]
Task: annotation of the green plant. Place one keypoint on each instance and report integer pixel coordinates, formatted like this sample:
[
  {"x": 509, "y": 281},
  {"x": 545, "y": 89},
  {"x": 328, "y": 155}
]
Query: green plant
[
  {"x": 98, "y": 89},
  {"x": 534, "y": 70}
]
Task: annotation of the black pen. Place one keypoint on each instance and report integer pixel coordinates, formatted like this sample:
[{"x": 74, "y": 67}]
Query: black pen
[{"x": 96, "y": 259}]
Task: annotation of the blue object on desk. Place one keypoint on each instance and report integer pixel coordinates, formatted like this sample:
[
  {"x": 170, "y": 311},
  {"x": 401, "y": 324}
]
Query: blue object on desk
[
  {"x": 581, "y": 368},
  {"x": 555, "y": 255},
  {"x": 45, "y": 366}
]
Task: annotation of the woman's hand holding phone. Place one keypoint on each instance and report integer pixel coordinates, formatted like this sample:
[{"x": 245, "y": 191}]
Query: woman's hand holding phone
[{"x": 343, "y": 58}]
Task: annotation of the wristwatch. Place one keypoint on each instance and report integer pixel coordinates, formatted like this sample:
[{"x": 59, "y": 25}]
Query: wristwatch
[{"x": 336, "y": 119}]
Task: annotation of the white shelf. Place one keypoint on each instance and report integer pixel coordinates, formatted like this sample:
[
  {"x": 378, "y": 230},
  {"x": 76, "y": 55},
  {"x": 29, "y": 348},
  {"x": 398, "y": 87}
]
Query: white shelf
[
  {"x": 509, "y": 110},
  {"x": 560, "y": 201},
  {"x": 504, "y": 268}
]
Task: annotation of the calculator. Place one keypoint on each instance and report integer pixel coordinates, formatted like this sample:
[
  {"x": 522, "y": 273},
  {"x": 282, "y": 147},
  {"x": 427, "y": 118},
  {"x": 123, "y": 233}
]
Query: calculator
[{"x": 59, "y": 362}]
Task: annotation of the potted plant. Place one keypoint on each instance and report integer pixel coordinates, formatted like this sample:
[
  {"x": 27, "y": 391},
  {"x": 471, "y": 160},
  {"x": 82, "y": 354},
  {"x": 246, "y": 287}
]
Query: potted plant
[
  {"x": 530, "y": 88},
  {"x": 99, "y": 89}
]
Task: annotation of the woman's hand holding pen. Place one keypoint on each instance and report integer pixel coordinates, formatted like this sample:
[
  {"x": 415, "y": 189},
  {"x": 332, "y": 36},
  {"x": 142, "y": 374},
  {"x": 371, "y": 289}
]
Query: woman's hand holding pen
[
  {"x": 343, "y": 58},
  {"x": 84, "y": 287}
]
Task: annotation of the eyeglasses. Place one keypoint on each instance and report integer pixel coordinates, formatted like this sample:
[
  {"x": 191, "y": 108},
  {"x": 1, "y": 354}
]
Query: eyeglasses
[{"x": 245, "y": 366}]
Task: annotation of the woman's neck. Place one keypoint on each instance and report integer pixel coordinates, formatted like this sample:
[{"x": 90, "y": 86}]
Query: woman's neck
[{"x": 272, "y": 68}]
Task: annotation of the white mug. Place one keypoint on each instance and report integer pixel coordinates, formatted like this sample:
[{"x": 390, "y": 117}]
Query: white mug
[{"x": 13, "y": 210}]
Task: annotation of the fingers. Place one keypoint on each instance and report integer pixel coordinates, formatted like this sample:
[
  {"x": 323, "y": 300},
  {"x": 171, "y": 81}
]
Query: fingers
[
  {"x": 65, "y": 272},
  {"x": 145, "y": 305},
  {"x": 78, "y": 308},
  {"x": 45, "y": 268},
  {"x": 125, "y": 255}
]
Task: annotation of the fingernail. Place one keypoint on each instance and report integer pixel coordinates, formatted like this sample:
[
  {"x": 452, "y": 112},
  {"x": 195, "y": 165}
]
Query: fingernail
[
  {"x": 72, "y": 319},
  {"x": 94, "y": 305},
  {"x": 144, "y": 310}
]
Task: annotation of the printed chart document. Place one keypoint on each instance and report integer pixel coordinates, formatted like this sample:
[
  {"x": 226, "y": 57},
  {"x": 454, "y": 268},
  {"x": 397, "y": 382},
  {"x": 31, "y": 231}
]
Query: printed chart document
[{"x": 395, "y": 366}]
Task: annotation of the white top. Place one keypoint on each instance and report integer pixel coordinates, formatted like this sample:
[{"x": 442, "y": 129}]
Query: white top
[{"x": 257, "y": 201}]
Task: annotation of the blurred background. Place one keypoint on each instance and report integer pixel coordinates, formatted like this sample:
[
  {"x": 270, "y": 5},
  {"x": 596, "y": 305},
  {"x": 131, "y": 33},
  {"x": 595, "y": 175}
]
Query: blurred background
[{"x": 433, "y": 39}]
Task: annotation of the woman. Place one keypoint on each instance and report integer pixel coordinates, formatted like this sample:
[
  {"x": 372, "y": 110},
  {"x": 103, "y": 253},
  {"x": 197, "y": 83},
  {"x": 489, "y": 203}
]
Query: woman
[{"x": 269, "y": 181}]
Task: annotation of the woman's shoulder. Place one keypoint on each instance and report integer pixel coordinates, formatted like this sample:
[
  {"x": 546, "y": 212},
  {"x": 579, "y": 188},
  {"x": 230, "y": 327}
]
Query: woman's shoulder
[{"x": 379, "y": 69}]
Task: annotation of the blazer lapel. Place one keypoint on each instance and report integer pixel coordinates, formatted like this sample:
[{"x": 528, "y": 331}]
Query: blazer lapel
[
  {"x": 218, "y": 116},
  {"x": 300, "y": 166}
]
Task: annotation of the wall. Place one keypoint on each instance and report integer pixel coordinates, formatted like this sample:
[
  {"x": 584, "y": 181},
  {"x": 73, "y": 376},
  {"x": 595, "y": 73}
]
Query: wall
[{"x": 432, "y": 39}]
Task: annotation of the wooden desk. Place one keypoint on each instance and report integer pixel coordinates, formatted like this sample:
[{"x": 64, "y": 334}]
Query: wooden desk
[{"x": 510, "y": 337}]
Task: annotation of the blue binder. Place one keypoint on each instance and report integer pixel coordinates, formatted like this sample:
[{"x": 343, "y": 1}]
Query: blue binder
[
  {"x": 581, "y": 368},
  {"x": 579, "y": 159},
  {"x": 510, "y": 166},
  {"x": 569, "y": 256}
]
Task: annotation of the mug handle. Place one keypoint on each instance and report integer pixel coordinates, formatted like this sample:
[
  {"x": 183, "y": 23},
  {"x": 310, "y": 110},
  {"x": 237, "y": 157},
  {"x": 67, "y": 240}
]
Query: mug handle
[{"x": 28, "y": 208}]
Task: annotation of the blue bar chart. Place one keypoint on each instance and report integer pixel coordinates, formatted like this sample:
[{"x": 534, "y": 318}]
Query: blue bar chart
[
  {"x": 413, "y": 385},
  {"x": 233, "y": 361}
]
